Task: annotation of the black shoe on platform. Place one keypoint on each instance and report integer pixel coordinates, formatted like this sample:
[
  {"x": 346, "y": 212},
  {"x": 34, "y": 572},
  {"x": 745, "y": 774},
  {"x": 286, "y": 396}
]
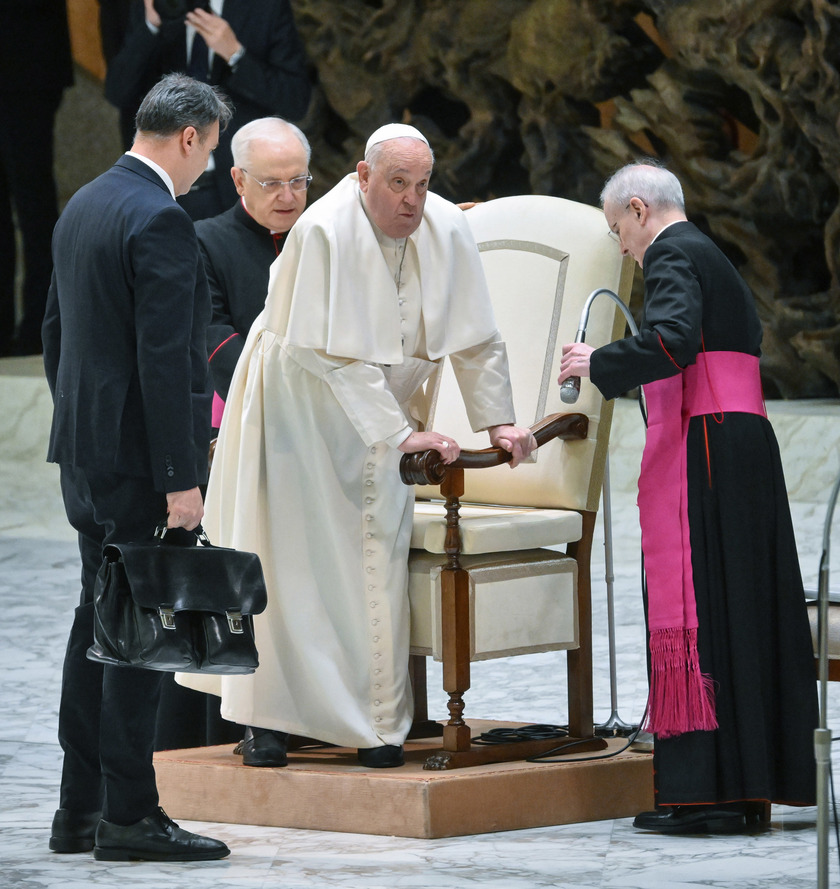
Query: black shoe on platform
[
  {"x": 73, "y": 831},
  {"x": 691, "y": 819},
  {"x": 155, "y": 838},
  {"x": 387, "y": 757},
  {"x": 264, "y": 748}
]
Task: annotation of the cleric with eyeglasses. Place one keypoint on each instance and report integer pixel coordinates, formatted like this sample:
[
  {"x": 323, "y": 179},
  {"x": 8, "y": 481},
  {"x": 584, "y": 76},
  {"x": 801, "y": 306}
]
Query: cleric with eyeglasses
[{"x": 271, "y": 175}]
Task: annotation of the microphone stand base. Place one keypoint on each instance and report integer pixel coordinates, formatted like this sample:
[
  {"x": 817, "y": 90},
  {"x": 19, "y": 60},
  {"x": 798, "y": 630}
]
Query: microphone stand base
[{"x": 615, "y": 727}]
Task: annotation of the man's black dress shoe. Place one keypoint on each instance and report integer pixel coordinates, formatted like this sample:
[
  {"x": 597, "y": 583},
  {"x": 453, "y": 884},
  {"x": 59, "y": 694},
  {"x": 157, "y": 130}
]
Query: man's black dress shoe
[
  {"x": 692, "y": 819},
  {"x": 387, "y": 757},
  {"x": 263, "y": 747},
  {"x": 154, "y": 838},
  {"x": 73, "y": 831}
]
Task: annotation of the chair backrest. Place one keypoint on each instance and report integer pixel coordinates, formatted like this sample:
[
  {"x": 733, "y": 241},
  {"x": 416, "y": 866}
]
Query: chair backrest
[{"x": 543, "y": 256}]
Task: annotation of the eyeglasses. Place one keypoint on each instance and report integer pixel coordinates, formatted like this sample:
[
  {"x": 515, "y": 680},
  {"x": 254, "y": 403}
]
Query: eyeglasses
[{"x": 275, "y": 186}]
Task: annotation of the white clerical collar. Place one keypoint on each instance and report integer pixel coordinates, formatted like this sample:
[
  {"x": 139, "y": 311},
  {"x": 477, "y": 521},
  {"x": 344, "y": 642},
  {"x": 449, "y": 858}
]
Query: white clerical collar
[
  {"x": 393, "y": 249},
  {"x": 664, "y": 227},
  {"x": 167, "y": 180}
]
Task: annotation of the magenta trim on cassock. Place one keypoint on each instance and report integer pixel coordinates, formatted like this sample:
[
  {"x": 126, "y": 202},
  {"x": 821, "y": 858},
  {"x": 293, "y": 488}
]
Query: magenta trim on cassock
[
  {"x": 217, "y": 409},
  {"x": 681, "y": 698}
]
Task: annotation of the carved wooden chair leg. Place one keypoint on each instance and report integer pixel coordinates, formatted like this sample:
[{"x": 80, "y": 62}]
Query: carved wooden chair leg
[
  {"x": 455, "y": 612},
  {"x": 579, "y": 661}
]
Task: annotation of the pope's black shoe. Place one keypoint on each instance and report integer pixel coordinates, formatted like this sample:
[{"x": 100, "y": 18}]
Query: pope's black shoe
[
  {"x": 73, "y": 831},
  {"x": 388, "y": 756},
  {"x": 692, "y": 819},
  {"x": 263, "y": 747},
  {"x": 154, "y": 838}
]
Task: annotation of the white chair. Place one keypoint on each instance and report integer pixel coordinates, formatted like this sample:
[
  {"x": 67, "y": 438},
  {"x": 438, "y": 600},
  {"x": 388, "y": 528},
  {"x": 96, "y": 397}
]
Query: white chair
[{"x": 501, "y": 565}]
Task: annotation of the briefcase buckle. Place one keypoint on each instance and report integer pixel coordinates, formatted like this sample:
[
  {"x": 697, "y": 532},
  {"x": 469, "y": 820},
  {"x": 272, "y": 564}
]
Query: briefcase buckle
[
  {"x": 167, "y": 617},
  {"x": 235, "y": 621}
]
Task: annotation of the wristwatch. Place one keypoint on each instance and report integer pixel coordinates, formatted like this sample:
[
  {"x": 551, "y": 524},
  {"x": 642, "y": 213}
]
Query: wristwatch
[{"x": 233, "y": 61}]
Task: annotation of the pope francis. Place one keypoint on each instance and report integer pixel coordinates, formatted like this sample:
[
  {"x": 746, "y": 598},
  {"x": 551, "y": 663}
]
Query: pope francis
[{"x": 379, "y": 280}]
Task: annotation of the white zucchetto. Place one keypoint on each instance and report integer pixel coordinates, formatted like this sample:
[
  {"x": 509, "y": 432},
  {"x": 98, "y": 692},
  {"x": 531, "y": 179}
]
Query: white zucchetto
[{"x": 394, "y": 131}]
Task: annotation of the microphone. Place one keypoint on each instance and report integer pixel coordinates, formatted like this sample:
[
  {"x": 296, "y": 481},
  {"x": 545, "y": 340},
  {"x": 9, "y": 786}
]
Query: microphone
[{"x": 570, "y": 387}]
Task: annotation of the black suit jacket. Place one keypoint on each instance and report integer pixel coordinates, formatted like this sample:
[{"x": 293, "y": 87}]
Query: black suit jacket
[
  {"x": 270, "y": 79},
  {"x": 237, "y": 253},
  {"x": 694, "y": 299},
  {"x": 125, "y": 333}
]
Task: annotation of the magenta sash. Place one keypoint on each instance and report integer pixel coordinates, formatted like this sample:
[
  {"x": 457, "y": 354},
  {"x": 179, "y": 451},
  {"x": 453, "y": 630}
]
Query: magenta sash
[
  {"x": 681, "y": 698},
  {"x": 217, "y": 410}
]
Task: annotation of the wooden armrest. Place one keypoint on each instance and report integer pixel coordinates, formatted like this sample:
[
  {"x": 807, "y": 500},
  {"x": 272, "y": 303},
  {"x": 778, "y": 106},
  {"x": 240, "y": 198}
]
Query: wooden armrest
[{"x": 428, "y": 468}]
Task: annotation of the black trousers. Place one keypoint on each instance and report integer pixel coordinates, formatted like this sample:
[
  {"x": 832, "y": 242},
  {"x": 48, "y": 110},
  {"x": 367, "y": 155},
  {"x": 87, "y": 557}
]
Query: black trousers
[
  {"x": 27, "y": 186},
  {"x": 106, "y": 719}
]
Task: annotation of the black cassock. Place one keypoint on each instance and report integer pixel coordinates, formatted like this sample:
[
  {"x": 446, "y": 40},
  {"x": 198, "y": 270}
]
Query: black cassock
[{"x": 753, "y": 635}]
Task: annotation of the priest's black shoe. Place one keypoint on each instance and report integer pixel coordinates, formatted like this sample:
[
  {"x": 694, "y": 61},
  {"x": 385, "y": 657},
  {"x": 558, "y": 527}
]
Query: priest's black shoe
[
  {"x": 264, "y": 747},
  {"x": 691, "y": 819},
  {"x": 388, "y": 756},
  {"x": 154, "y": 838},
  {"x": 73, "y": 831}
]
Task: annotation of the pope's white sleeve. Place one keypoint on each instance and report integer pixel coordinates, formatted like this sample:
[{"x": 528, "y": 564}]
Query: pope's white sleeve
[
  {"x": 484, "y": 380},
  {"x": 362, "y": 392}
]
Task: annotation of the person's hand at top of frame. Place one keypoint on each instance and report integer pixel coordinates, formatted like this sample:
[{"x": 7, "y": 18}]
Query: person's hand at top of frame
[
  {"x": 518, "y": 441},
  {"x": 217, "y": 33},
  {"x": 448, "y": 448}
]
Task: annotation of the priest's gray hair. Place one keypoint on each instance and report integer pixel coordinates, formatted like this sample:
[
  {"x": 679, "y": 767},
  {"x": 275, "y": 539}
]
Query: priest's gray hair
[
  {"x": 646, "y": 179},
  {"x": 375, "y": 152},
  {"x": 272, "y": 129}
]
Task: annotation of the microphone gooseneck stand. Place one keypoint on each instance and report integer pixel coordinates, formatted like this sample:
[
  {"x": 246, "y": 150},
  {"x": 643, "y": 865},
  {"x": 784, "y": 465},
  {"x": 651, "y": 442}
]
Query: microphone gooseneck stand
[
  {"x": 569, "y": 391},
  {"x": 822, "y": 735}
]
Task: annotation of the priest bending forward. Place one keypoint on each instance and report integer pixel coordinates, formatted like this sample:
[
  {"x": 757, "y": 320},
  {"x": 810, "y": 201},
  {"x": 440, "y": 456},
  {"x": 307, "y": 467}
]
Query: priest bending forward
[{"x": 377, "y": 282}]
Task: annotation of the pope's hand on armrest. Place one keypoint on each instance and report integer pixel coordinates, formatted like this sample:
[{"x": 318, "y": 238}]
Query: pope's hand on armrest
[
  {"x": 517, "y": 441},
  {"x": 448, "y": 448}
]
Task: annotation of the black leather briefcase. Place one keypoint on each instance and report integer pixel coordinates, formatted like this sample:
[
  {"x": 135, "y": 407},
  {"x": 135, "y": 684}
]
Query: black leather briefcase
[{"x": 177, "y": 608}]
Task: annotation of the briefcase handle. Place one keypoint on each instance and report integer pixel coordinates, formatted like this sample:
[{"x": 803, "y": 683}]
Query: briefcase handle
[{"x": 199, "y": 533}]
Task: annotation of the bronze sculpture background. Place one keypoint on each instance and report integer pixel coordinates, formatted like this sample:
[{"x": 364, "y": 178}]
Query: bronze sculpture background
[{"x": 741, "y": 98}]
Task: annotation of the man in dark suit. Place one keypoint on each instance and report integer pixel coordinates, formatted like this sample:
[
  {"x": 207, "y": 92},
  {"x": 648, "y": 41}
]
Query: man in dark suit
[
  {"x": 250, "y": 48},
  {"x": 35, "y": 69},
  {"x": 733, "y": 703},
  {"x": 125, "y": 357}
]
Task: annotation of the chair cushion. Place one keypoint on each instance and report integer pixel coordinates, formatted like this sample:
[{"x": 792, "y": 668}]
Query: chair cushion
[{"x": 489, "y": 529}]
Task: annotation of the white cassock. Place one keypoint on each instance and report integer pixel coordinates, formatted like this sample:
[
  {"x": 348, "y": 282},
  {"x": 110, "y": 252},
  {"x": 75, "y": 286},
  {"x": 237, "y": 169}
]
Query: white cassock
[{"x": 306, "y": 469}]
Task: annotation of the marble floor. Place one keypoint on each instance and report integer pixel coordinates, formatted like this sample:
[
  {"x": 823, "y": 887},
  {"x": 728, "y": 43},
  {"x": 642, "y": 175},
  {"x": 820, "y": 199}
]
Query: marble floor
[{"x": 38, "y": 588}]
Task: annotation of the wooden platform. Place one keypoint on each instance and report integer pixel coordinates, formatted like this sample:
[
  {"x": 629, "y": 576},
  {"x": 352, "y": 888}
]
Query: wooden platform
[{"x": 326, "y": 789}]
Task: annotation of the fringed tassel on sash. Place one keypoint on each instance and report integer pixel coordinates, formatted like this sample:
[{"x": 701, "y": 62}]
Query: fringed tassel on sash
[{"x": 681, "y": 698}]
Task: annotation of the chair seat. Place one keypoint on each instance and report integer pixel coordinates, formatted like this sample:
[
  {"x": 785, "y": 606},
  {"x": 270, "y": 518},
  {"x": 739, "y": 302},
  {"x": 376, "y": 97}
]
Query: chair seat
[{"x": 489, "y": 529}]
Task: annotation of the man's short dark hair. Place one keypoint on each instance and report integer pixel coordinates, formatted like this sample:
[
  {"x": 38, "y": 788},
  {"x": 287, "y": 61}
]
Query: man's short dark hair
[{"x": 178, "y": 101}]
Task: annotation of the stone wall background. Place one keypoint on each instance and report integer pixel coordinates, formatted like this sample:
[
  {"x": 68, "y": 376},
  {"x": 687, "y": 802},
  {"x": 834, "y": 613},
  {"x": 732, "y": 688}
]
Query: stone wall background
[{"x": 741, "y": 98}]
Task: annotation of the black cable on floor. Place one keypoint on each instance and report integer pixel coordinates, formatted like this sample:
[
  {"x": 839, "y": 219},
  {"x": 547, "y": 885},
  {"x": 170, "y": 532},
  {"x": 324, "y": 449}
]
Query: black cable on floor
[
  {"x": 543, "y": 757},
  {"x": 537, "y": 732}
]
